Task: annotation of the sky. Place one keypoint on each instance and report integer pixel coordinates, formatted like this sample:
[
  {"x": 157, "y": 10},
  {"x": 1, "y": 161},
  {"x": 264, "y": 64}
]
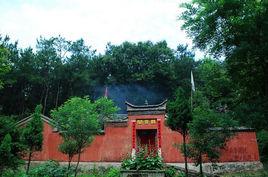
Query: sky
[{"x": 96, "y": 21}]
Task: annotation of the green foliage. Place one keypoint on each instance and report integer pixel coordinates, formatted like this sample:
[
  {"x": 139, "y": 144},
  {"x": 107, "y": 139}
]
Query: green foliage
[
  {"x": 68, "y": 147},
  {"x": 179, "y": 115},
  {"x": 215, "y": 83},
  {"x": 252, "y": 113},
  {"x": 143, "y": 160},
  {"x": 179, "y": 112},
  {"x": 32, "y": 135},
  {"x": 13, "y": 173},
  {"x": 106, "y": 109},
  {"x": 77, "y": 121},
  {"x": 173, "y": 172},
  {"x": 48, "y": 169},
  {"x": 262, "y": 137},
  {"x": 237, "y": 30},
  {"x": 5, "y": 152},
  {"x": 113, "y": 172},
  {"x": 33, "y": 132},
  {"x": 4, "y": 63},
  {"x": 209, "y": 131},
  {"x": 54, "y": 169},
  {"x": 101, "y": 172},
  {"x": 11, "y": 147}
]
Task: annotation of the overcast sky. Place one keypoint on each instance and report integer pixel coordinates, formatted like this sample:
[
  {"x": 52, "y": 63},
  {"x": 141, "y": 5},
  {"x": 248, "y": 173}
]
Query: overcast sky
[{"x": 96, "y": 21}]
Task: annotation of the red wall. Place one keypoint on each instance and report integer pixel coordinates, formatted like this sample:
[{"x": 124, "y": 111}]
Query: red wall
[{"x": 115, "y": 145}]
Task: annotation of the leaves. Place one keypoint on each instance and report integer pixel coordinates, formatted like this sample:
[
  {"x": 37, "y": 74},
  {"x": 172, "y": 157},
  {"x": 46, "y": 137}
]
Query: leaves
[
  {"x": 208, "y": 131},
  {"x": 143, "y": 160},
  {"x": 179, "y": 112},
  {"x": 32, "y": 135}
]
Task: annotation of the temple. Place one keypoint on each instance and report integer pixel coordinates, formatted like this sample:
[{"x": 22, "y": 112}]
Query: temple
[{"x": 143, "y": 125}]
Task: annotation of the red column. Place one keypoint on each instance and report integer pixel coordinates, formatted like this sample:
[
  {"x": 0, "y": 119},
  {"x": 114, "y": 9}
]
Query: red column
[
  {"x": 133, "y": 135},
  {"x": 133, "y": 152},
  {"x": 159, "y": 133}
]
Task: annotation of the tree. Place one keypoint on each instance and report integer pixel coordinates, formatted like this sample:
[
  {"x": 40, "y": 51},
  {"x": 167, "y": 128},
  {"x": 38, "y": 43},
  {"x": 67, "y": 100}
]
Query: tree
[
  {"x": 179, "y": 115},
  {"x": 32, "y": 135},
  {"x": 238, "y": 31},
  {"x": 4, "y": 64},
  {"x": 5, "y": 152},
  {"x": 11, "y": 147},
  {"x": 69, "y": 147},
  {"x": 209, "y": 132},
  {"x": 78, "y": 122},
  {"x": 105, "y": 109},
  {"x": 182, "y": 66},
  {"x": 215, "y": 83}
]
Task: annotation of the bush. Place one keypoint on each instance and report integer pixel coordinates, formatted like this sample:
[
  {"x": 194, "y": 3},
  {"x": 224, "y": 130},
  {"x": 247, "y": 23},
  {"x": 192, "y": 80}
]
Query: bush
[
  {"x": 49, "y": 169},
  {"x": 172, "y": 172},
  {"x": 102, "y": 172},
  {"x": 13, "y": 173},
  {"x": 113, "y": 172},
  {"x": 143, "y": 160},
  {"x": 262, "y": 137}
]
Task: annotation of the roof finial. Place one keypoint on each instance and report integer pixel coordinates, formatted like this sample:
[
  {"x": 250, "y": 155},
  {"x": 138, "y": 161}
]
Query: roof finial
[{"x": 146, "y": 102}]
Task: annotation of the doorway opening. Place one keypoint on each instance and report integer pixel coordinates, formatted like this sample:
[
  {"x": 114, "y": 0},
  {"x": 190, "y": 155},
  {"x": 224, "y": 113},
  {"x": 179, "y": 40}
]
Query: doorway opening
[{"x": 147, "y": 139}]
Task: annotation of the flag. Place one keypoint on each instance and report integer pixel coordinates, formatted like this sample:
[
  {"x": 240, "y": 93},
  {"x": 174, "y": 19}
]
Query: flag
[
  {"x": 106, "y": 92},
  {"x": 192, "y": 81}
]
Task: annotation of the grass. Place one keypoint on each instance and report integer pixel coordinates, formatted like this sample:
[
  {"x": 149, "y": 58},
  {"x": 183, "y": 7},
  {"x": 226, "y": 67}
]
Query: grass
[{"x": 259, "y": 173}]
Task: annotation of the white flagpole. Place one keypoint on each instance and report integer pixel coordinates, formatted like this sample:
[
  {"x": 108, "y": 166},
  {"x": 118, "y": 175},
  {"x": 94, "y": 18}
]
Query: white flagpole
[
  {"x": 192, "y": 81},
  {"x": 192, "y": 89}
]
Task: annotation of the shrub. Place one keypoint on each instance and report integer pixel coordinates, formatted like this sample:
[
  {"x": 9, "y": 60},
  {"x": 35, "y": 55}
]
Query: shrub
[
  {"x": 102, "y": 172},
  {"x": 143, "y": 160},
  {"x": 262, "y": 137},
  {"x": 172, "y": 172},
  {"x": 113, "y": 172},
  {"x": 13, "y": 173},
  {"x": 49, "y": 169}
]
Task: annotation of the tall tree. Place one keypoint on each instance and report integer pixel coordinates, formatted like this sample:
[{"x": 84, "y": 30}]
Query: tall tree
[
  {"x": 11, "y": 147},
  {"x": 215, "y": 83},
  {"x": 182, "y": 66},
  {"x": 4, "y": 64},
  {"x": 32, "y": 135},
  {"x": 5, "y": 152},
  {"x": 179, "y": 115},
  {"x": 209, "y": 132},
  {"x": 78, "y": 122},
  {"x": 238, "y": 31}
]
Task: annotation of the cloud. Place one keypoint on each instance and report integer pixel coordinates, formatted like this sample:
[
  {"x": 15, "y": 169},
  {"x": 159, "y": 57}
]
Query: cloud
[{"x": 98, "y": 21}]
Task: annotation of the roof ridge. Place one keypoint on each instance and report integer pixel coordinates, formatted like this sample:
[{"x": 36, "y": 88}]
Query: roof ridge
[{"x": 146, "y": 106}]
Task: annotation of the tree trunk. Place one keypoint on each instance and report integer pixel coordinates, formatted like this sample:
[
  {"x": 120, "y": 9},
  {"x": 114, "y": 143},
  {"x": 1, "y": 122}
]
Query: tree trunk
[
  {"x": 57, "y": 96},
  {"x": 200, "y": 165},
  {"x": 69, "y": 163},
  {"x": 42, "y": 94},
  {"x": 185, "y": 154},
  {"x": 29, "y": 161},
  {"x": 45, "y": 101},
  {"x": 78, "y": 160}
]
